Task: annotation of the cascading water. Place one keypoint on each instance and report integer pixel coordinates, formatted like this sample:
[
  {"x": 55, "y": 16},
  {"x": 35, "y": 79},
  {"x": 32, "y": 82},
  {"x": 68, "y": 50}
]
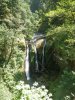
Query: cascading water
[
  {"x": 33, "y": 42},
  {"x": 43, "y": 54},
  {"x": 36, "y": 60},
  {"x": 27, "y": 63}
]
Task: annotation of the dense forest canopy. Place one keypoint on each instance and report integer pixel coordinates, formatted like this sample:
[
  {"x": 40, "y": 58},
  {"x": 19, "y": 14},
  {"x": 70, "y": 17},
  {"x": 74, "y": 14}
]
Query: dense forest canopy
[{"x": 21, "y": 19}]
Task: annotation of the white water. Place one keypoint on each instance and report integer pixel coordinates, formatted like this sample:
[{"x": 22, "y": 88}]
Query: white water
[
  {"x": 27, "y": 63},
  {"x": 36, "y": 60},
  {"x": 43, "y": 55}
]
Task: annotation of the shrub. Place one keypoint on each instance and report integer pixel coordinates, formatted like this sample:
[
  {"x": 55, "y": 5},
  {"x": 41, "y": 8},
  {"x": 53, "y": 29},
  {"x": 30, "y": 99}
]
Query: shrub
[{"x": 34, "y": 92}]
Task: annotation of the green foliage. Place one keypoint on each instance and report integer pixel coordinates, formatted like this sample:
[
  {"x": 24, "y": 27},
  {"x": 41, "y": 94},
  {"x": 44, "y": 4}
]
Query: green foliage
[
  {"x": 64, "y": 86},
  {"x": 16, "y": 19},
  {"x": 55, "y": 18},
  {"x": 5, "y": 45},
  {"x": 64, "y": 43},
  {"x": 5, "y": 94},
  {"x": 35, "y": 92},
  {"x": 59, "y": 26}
]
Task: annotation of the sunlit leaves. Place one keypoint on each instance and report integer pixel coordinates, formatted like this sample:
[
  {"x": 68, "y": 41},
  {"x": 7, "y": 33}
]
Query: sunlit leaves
[{"x": 27, "y": 92}]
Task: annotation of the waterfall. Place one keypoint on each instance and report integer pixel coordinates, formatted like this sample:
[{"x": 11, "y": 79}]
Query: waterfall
[
  {"x": 27, "y": 63},
  {"x": 36, "y": 60},
  {"x": 33, "y": 42},
  {"x": 43, "y": 54}
]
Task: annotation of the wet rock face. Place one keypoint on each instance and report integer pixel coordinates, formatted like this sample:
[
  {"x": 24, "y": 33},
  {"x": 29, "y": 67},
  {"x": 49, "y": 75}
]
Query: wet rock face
[
  {"x": 39, "y": 43},
  {"x": 39, "y": 40}
]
